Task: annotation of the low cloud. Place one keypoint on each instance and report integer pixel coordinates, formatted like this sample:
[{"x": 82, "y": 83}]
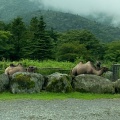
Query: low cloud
[{"x": 84, "y": 7}]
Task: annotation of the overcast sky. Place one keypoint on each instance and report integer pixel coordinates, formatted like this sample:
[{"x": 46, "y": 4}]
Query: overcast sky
[{"x": 85, "y": 7}]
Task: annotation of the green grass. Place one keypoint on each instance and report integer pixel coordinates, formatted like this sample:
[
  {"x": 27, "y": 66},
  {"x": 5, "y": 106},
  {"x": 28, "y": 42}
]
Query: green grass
[
  {"x": 41, "y": 64},
  {"x": 45, "y": 67},
  {"x": 53, "y": 96},
  {"x": 48, "y": 64}
]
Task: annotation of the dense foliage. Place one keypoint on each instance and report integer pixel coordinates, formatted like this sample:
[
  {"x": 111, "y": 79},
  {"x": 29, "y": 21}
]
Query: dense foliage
[
  {"x": 113, "y": 52},
  {"x": 36, "y": 42},
  {"x": 80, "y": 43}
]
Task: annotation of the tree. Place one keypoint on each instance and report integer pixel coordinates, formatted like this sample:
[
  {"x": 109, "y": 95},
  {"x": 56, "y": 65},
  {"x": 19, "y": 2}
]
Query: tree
[
  {"x": 29, "y": 37},
  {"x": 113, "y": 52},
  {"x": 69, "y": 52},
  {"x": 85, "y": 37},
  {"x": 42, "y": 43},
  {"x": 2, "y": 25},
  {"x": 34, "y": 26},
  {"x": 6, "y": 47},
  {"x": 18, "y": 31},
  {"x": 54, "y": 35}
]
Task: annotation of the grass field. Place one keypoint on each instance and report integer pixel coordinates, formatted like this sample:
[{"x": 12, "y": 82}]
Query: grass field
[
  {"x": 42, "y": 64},
  {"x": 61, "y": 96}
]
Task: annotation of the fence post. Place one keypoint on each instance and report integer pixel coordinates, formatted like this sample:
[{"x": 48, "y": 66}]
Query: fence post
[{"x": 116, "y": 71}]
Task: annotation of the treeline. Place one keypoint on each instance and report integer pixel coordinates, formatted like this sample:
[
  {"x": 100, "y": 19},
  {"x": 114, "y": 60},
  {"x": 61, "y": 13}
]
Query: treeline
[{"x": 18, "y": 41}]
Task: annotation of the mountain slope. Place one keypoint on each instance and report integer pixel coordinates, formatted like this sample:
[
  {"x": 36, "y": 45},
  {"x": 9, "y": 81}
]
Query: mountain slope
[
  {"x": 66, "y": 21},
  {"x": 10, "y": 9}
]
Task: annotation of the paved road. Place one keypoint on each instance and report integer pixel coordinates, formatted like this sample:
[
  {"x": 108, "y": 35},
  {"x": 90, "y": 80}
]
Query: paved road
[{"x": 69, "y": 109}]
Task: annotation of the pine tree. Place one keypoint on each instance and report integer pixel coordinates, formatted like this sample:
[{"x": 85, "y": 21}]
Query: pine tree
[
  {"x": 30, "y": 41},
  {"x": 34, "y": 25},
  {"x": 42, "y": 43},
  {"x": 18, "y": 30},
  {"x": 6, "y": 47}
]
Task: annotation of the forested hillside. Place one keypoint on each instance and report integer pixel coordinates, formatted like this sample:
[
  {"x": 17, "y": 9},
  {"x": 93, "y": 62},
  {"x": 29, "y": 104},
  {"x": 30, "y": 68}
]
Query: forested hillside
[
  {"x": 65, "y": 21},
  {"x": 59, "y": 21},
  {"x": 9, "y": 9}
]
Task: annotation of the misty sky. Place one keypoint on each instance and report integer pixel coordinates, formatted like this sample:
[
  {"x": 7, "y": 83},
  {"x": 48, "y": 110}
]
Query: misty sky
[{"x": 85, "y": 7}]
